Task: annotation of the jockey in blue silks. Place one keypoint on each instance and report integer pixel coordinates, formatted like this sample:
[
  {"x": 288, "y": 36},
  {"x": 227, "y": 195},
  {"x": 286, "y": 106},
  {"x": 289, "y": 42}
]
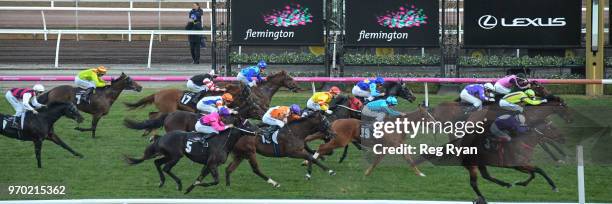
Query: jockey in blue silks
[
  {"x": 246, "y": 75},
  {"x": 367, "y": 88}
]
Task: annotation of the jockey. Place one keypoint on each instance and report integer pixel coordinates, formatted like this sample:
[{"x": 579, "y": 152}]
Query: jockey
[
  {"x": 246, "y": 75},
  {"x": 512, "y": 101},
  {"x": 320, "y": 100},
  {"x": 381, "y": 107},
  {"x": 90, "y": 79},
  {"x": 20, "y": 99},
  {"x": 507, "y": 124},
  {"x": 505, "y": 85},
  {"x": 476, "y": 94},
  {"x": 367, "y": 88},
  {"x": 278, "y": 116},
  {"x": 202, "y": 83},
  {"x": 211, "y": 104},
  {"x": 212, "y": 123}
]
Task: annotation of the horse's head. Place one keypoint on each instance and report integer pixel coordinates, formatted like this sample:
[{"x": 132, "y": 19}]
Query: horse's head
[
  {"x": 399, "y": 89},
  {"x": 127, "y": 83},
  {"x": 67, "y": 109},
  {"x": 555, "y": 105},
  {"x": 539, "y": 89},
  {"x": 282, "y": 79}
]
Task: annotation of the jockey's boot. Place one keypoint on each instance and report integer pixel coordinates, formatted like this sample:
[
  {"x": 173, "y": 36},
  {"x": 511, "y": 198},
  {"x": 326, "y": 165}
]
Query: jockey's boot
[
  {"x": 329, "y": 133},
  {"x": 270, "y": 131},
  {"x": 198, "y": 95},
  {"x": 15, "y": 123},
  {"x": 87, "y": 94},
  {"x": 469, "y": 109}
]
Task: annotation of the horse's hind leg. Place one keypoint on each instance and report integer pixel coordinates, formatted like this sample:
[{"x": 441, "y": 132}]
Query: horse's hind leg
[
  {"x": 376, "y": 161},
  {"x": 413, "y": 165},
  {"x": 214, "y": 171},
  {"x": 168, "y": 167},
  {"x": 231, "y": 167},
  {"x": 37, "y": 150},
  {"x": 485, "y": 174},
  {"x": 257, "y": 171},
  {"x": 53, "y": 137},
  {"x": 94, "y": 124},
  {"x": 158, "y": 163},
  {"x": 205, "y": 171}
]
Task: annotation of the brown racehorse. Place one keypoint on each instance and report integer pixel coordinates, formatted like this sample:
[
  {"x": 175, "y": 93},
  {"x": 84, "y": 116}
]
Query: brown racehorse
[
  {"x": 101, "y": 100},
  {"x": 519, "y": 150}
]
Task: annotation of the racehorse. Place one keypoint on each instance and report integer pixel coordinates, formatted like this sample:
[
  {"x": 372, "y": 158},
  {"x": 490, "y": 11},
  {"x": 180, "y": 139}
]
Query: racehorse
[
  {"x": 100, "y": 102},
  {"x": 536, "y": 117},
  {"x": 399, "y": 89},
  {"x": 170, "y": 100},
  {"x": 290, "y": 144},
  {"x": 264, "y": 91},
  {"x": 174, "y": 145},
  {"x": 38, "y": 127}
]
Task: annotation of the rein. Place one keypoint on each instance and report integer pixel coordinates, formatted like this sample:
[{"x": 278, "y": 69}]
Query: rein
[{"x": 348, "y": 108}]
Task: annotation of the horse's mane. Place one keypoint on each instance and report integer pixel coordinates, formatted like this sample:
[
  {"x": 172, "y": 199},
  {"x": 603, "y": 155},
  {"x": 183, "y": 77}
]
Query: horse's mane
[{"x": 282, "y": 73}]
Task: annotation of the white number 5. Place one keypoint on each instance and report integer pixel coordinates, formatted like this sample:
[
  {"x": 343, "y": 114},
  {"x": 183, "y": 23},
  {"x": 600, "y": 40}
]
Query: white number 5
[{"x": 188, "y": 147}]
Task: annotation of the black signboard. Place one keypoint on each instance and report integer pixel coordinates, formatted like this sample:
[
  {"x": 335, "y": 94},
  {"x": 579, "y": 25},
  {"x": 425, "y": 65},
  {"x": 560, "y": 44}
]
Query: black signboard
[
  {"x": 277, "y": 22},
  {"x": 522, "y": 23},
  {"x": 389, "y": 23}
]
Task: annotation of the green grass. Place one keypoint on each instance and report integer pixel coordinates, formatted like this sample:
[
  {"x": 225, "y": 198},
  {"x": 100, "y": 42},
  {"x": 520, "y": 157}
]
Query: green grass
[{"x": 103, "y": 174}]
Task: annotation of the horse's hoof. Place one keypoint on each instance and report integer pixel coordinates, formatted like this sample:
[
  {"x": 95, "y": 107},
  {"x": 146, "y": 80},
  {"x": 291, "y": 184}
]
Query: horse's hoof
[
  {"x": 331, "y": 172},
  {"x": 556, "y": 190},
  {"x": 304, "y": 163},
  {"x": 508, "y": 185},
  {"x": 421, "y": 174},
  {"x": 161, "y": 184},
  {"x": 277, "y": 185},
  {"x": 189, "y": 189},
  {"x": 308, "y": 176},
  {"x": 480, "y": 200},
  {"x": 519, "y": 183},
  {"x": 179, "y": 188}
]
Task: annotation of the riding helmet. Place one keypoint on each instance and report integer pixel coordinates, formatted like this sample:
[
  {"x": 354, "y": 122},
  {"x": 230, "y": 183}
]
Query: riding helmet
[
  {"x": 262, "y": 64},
  {"x": 379, "y": 80},
  {"x": 335, "y": 90},
  {"x": 38, "y": 88},
  {"x": 101, "y": 69},
  {"x": 227, "y": 97},
  {"x": 295, "y": 108},
  {"x": 530, "y": 92}
]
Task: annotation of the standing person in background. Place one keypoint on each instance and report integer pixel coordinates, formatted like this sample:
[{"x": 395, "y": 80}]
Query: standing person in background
[{"x": 195, "y": 24}]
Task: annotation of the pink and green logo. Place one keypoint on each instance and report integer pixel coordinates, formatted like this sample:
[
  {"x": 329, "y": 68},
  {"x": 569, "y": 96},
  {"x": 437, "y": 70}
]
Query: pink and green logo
[
  {"x": 289, "y": 16},
  {"x": 404, "y": 17}
]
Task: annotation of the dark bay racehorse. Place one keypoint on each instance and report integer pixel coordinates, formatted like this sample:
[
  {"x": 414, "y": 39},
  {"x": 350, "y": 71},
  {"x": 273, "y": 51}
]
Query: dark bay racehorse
[
  {"x": 398, "y": 89},
  {"x": 38, "y": 127},
  {"x": 173, "y": 146},
  {"x": 101, "y": 100},
  {"x": 515, "y": 155}
]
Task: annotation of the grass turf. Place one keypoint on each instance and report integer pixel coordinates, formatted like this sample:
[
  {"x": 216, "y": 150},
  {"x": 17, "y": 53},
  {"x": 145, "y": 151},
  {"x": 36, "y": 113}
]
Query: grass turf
[{"x": 103, "y": 174}]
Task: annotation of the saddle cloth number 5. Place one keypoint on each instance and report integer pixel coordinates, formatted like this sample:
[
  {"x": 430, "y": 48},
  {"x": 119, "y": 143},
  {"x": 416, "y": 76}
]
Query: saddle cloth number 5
[{"x": 188, "y": 147}]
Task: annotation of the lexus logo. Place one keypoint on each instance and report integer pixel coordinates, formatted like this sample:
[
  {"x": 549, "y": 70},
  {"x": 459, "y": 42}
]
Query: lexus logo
[{"x": 487, "y": 22}]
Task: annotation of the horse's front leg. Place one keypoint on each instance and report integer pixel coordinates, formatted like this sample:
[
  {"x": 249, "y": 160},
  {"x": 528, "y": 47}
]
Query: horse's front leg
[
  {"x": 53, "y": 137},
  {"x": 485, "y": 174},
  {"x": 37, "y": 150},
  {"x": 205, "y": 171}
]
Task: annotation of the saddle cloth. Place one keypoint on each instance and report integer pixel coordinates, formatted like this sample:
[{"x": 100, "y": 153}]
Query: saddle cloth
[
  {"x": 188, "y": 97},
  {"x": 197, "y": 143}
]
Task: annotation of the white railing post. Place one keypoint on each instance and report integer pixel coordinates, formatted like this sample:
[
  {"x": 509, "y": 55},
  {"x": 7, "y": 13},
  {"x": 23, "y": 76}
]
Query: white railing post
[
  {"x": 211, "y": 22},
  {"x": 42, "y": 13},
  {"x": 580, "y": 160},
  {"x": 150, "y": 49},
  {"x": 130, "y": 21},
  {"x": 76, "y": 17},
  {"x": 59, "y": 38},
  {"x": 314, "y": 90},
  {"x": 426, "y": 95},
  {"x": 52, "y": 3},
  {"x": 422, "y": 51},
  {"x": 159, "y": 5}
]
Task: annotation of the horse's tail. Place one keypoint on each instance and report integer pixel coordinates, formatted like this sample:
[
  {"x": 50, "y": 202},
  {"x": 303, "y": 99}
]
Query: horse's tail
[
  {"x": 150, "y": 152},
  {"x": 147, "y": 124},
  {"x": 43, "y": 98},
  {"x": 141, "y": 103}
]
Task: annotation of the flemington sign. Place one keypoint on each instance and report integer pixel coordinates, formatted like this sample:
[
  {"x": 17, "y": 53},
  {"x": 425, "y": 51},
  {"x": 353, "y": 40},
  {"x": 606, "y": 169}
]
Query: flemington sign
[
  {"x": 522, "y": 23},
  {"x": 277, "y": 22},
  {"x": 392, "y": 23}
]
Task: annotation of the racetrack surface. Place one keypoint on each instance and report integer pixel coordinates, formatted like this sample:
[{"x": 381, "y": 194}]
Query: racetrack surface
[{"x": 103, "y": 174}]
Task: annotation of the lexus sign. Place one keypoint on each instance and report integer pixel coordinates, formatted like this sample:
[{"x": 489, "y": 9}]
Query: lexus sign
[{"x": 521, "y": 23}]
